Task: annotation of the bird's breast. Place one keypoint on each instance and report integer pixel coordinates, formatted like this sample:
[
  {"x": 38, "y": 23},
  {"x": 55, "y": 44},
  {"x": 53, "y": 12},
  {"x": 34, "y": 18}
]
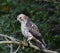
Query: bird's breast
[{"x": 24, "y": 30}]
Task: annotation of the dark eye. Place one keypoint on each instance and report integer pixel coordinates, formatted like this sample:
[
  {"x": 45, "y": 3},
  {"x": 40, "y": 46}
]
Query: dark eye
[{"x": 20, "y": 18}]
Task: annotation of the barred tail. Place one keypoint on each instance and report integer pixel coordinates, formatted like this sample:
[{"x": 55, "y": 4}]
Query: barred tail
[{"x": 43, "y": 44}]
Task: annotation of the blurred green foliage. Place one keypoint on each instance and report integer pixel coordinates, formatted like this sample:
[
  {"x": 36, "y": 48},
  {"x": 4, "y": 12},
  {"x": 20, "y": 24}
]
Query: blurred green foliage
[{"x": 45, "y": 13}]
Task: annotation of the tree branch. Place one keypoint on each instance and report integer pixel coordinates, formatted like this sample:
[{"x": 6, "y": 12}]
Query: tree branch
[
  {"x": 9, "y": 37},
  {"x": 15, "y": 41},
  {"x": 9, "y": 42}
]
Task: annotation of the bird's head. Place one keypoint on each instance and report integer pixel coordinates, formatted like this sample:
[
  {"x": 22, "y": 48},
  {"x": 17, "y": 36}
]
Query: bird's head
[{"x": 22, "y": 18}]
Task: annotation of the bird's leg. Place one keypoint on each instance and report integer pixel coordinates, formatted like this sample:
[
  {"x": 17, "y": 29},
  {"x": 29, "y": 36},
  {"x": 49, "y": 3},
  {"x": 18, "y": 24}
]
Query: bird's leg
[
  {"x": 28, "y": 41},
  {"x": 25, "y": 41}
]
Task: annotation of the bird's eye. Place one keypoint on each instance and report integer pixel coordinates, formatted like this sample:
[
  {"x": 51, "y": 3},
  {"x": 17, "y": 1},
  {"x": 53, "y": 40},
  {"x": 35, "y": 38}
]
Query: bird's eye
[{"x": 20, "y": 18}]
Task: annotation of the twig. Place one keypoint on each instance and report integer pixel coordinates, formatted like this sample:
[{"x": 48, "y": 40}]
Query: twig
[
  {"x": 17, "y": 49},
  {"x": 11, "y": 38},
  {"x": 10, "y": 46}
]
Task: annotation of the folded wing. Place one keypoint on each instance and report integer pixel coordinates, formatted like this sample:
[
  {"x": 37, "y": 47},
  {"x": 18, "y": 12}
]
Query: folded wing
[{"x": 33, "y": 29}]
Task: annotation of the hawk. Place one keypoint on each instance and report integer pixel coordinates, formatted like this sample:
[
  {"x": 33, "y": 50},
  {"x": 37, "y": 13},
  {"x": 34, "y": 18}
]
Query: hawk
[{"x": 29, "y": 29}]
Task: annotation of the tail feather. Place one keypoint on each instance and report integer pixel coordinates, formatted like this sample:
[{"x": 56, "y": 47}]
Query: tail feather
[
  {"x": 43, "y": 43},
  {"x": 39, "y": 43}
]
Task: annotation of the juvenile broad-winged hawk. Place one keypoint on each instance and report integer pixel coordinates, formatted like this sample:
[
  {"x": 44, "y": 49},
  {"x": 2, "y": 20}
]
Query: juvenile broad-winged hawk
[{"x": 29, "y": 29}]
